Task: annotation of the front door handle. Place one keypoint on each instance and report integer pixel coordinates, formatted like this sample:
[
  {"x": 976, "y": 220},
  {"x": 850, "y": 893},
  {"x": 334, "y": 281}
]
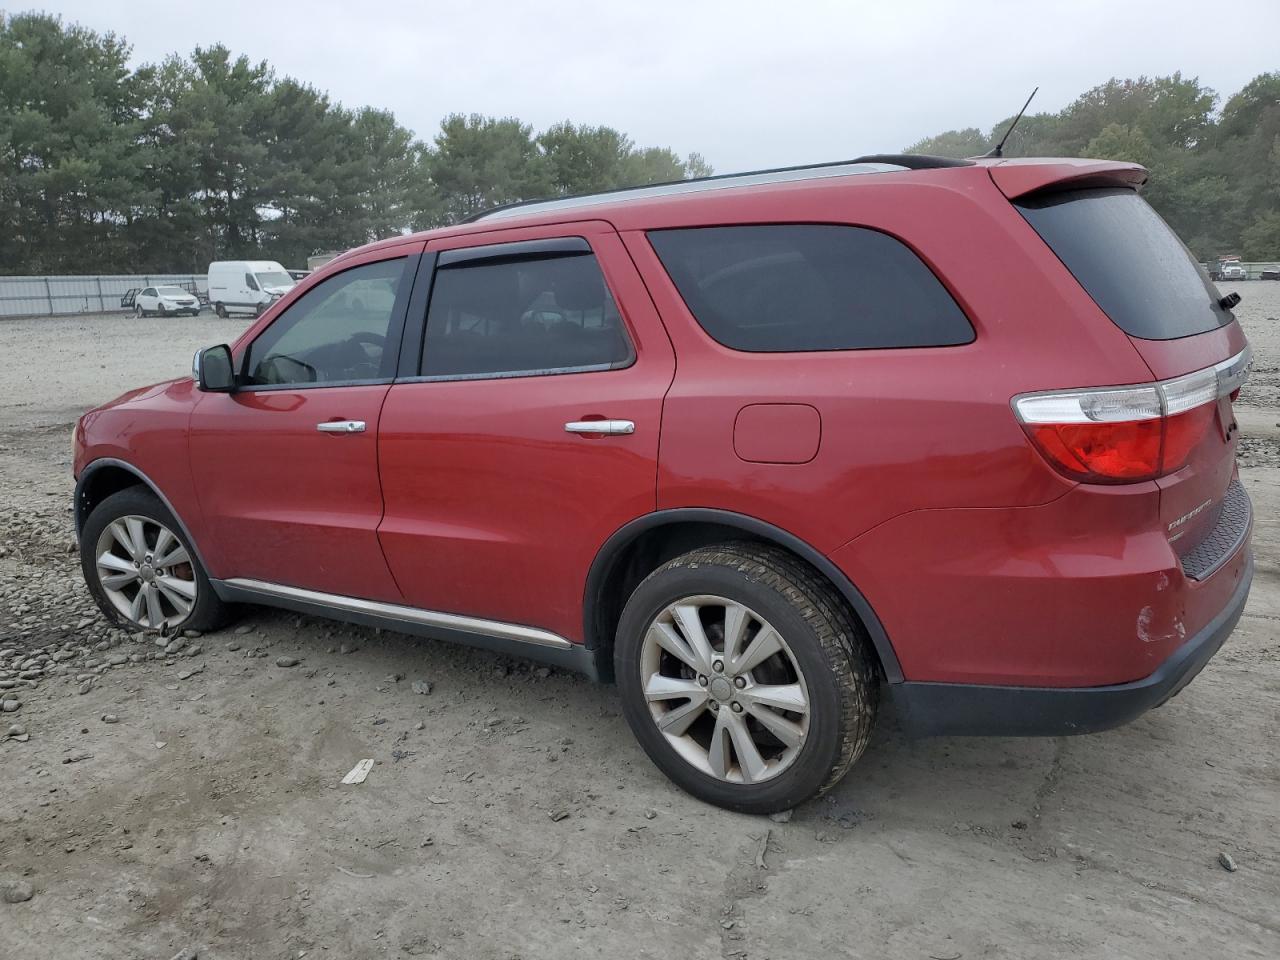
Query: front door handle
[
  {"x": 610, "y": 428},
  {"x": 341, "y": 426}
]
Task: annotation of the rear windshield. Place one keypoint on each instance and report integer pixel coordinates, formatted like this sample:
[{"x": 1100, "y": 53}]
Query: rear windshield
[
  {"x": 1130, "y": 262},
  {"x": 809, "y": 287}
]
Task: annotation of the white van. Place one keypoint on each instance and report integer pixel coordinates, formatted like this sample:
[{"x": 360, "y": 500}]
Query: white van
[{"x": 246, "y": 286}]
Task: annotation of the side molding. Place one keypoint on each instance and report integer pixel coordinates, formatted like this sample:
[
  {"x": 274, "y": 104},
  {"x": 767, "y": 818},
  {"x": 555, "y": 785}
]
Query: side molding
[
  {"x": 509, "y": 638},
  {"x": 602, "y": 565}
]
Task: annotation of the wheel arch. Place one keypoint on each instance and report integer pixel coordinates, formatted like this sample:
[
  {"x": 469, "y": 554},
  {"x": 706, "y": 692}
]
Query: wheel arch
[
  {"x": 106, "y": 476},
  {"x": 630, "y": 554}
]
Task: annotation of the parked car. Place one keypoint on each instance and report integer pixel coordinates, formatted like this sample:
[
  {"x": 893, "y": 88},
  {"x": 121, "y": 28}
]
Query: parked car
[
  {"x": 760, "y": 449},
  {"x": 167, "y": 301},
  {"x": 247, "y": 286},
  {"x": 1270, "y": 273}
]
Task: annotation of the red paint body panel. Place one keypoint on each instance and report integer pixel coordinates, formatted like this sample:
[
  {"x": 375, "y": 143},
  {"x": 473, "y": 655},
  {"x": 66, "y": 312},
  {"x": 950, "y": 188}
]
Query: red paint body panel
[
  {"x": 147, "y": 427},
  {"x": 1083, "y": 591},
  {"x": 1173, "y": 358},
  {"x": 284, "y": 503},
  {"x": 492, "y": 509}
]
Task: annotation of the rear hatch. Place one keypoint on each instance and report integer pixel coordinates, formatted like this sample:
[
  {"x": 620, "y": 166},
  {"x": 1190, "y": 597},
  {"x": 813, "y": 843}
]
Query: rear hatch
[{"x": 1146, "y": 281}]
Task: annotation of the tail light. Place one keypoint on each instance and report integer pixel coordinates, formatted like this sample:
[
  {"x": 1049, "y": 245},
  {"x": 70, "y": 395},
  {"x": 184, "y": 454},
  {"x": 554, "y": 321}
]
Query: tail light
[{"x": 1131, "y": 433}]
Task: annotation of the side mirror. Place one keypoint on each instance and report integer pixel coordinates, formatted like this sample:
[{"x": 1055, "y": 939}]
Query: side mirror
[{"x": 213, "y": 370}]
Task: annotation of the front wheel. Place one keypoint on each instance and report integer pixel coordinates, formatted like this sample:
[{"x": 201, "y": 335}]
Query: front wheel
[
  {"x": 140, "y": 569},
  {"x": 745, "y": 677}
]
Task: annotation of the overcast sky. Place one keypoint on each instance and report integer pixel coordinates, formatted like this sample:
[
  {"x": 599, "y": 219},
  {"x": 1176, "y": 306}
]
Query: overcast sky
[{"x": 746, "y": 84}]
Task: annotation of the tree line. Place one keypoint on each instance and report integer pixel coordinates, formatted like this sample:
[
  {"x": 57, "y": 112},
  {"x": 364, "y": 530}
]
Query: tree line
[
  {"x": 110, "y": 169},
  {"x": 1215, "y": 174},
  {"x": 107, "y": 168}
]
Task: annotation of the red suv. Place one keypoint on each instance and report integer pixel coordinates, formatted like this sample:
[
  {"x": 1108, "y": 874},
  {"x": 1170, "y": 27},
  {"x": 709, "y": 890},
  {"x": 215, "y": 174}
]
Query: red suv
[{"x": 755, "y": 447}]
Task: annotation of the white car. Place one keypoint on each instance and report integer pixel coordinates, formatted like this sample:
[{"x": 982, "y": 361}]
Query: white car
[{"x": 166, "y": 301}]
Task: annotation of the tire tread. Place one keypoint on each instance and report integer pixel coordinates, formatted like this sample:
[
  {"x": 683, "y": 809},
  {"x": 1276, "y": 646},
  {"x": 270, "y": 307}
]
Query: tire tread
[{"x": 844, "y": 643}]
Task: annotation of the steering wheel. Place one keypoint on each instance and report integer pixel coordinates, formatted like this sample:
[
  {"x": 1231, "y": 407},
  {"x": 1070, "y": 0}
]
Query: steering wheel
[{"x": 364, "y": 336}]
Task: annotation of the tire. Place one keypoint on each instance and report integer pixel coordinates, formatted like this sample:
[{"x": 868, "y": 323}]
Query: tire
[
  {"x": 138, "y": 508},
  {"x": 220, "y": 310},
  {"x": 138, "y": 311},
  {"x": 823, "y": 663}
]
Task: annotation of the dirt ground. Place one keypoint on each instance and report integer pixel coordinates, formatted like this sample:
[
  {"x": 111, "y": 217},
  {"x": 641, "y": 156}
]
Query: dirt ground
[{"x": 206, "y": 812}]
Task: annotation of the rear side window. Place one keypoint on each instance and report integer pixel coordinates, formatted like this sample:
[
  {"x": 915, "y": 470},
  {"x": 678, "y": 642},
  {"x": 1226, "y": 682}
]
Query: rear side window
[
  {"x": 1130, "y": 262},
  {"x": 800, "y": 287},
  {"x": 523, "y": 317}
]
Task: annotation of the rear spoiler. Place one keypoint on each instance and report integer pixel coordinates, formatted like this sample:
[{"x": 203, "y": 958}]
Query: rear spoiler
[{"x": 1020, "y": 177}]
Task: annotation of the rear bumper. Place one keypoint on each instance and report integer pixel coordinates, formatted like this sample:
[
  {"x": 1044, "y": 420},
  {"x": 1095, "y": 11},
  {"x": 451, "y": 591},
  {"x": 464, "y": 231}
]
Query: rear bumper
[{"x": 962, "y": 709}]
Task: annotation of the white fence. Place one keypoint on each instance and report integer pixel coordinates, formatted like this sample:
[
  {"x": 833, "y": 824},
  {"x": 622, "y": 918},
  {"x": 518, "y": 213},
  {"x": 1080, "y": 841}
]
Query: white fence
[{"x": 52, "y": 296}]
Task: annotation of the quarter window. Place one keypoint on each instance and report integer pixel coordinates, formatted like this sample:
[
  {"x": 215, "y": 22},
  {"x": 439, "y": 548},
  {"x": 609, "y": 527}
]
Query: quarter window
[
  {"x": 522, "y": 317},
  {"x": 798, "y": 287},
  {"x": 342, "y": 330}
]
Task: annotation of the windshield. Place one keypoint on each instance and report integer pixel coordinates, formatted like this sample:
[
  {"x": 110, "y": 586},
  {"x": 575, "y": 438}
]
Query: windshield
[
  {"x": 171, "y": 292},
  {"x": 274, "y": 278},
  {"x": 1130, "y": 262}
]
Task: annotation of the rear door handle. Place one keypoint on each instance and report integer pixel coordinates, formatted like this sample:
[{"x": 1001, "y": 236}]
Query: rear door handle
[
  {"x": 610, "y": 428},
  {"x": 341, "y": 426}
]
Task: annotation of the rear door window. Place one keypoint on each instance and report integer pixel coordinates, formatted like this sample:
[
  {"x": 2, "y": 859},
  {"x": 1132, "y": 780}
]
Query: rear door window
[
  {"x": 809, "y": 287},
  {"x": 1129, "y": 261},
  {"x": 499, "y": 317}
]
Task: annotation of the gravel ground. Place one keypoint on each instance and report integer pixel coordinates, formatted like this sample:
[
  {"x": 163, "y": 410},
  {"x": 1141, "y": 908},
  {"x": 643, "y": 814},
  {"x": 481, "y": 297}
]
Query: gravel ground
[{"x": 187, "y": 798}]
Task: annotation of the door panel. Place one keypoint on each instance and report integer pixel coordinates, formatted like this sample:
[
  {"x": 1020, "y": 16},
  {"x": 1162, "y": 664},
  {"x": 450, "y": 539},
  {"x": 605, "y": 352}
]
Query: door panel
[
  {"x": 286, "y": 467},
  {"x": 493, "y": 509},
  {"x": 285, "y": 502}
]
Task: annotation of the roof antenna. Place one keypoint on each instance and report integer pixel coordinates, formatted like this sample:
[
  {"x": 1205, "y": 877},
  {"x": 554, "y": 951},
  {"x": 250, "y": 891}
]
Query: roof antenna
[{"x": 998, "y": 149}]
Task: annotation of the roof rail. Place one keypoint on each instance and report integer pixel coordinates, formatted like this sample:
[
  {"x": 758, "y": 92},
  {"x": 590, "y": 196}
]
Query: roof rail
[
  {"x": 914, "y": 161},
  {"x": 908, "y": 161}
]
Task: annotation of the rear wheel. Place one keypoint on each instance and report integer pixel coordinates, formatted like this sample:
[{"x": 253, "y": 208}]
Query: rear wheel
[
  {"x": 138, "y": 311},
  {"x": 745, "y": 678},
  {"x": 220, "y": 310},
  {"x": 140, "y": 569}
]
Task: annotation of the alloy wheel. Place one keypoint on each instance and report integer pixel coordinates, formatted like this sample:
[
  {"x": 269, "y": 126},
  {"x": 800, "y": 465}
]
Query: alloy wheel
[
  {"x": 724, "y": 689},
  {"x": 146, "y": 572}
]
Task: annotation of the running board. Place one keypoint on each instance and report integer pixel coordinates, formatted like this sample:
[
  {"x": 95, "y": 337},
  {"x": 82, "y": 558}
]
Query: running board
[{"x": 508, "y": 638}]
